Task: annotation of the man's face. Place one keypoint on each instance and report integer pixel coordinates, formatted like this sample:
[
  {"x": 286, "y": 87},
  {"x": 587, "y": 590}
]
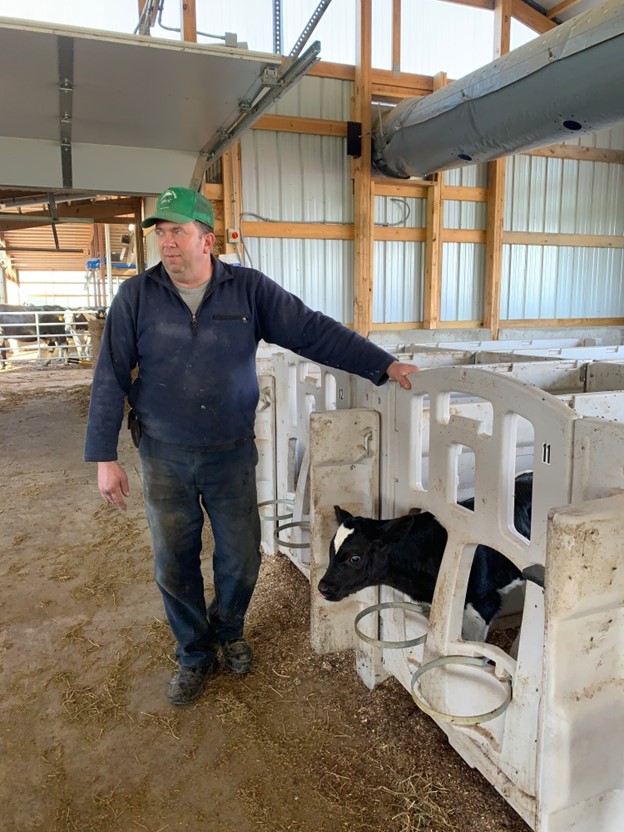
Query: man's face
[{"x": 184, "y": 250}]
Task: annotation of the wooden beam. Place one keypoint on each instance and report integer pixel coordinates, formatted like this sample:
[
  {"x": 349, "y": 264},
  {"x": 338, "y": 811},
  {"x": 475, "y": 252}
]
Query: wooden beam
[
  {"x": 531, "y": 18},
  {"x": 433, "y": 257},
  {"x": 418, "y": 84},
  {"x": 299, "y": 124},
  {"x": 213, "y": 190},
  {"x": 494, "y": 246},
  {"x": 502, "y": 27},
  {"x": 522, "y": 323},
  {"x": 298, "y": 230},
  {"x": 459, "y": 193},
  {"x": 399, "y": 233},
  {"x": 231, "y": 194},
  {"x": 496, "y": 192},
  {"x": 327, "y": 69},
  {"x": 401, "y": 188},
  {"x": 396, "y": 37},
  {"x": 478, "y": 4},
  {"x": 537, "y": 238},
  {"x": 139, "y": 248},
  {"x": 463, "y": 235},
  {"x": 561, "y": 7},
  {"x": 363, "y": 195},
  {"x": 579, "y": 153},
  {"x": 432, "y": 292},
  {"x": 188, "y": 13},
  {"x": 113, "y": 212}
]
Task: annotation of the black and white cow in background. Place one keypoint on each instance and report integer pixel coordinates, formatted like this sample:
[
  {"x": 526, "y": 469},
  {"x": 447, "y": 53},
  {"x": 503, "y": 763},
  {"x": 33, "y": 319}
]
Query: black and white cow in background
[
  {"x": 77, "y": 326},
  {"x": 406, "y": 553},
  {"x": 30, "y": 323}
]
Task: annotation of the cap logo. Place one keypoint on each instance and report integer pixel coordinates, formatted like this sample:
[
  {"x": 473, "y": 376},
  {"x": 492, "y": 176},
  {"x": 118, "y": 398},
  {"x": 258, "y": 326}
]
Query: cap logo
[{"x": 167, "y": 198}]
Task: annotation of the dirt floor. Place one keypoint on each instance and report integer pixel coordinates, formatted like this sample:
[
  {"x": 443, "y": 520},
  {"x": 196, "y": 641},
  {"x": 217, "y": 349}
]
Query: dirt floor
[{"x": 88, "y": 739}]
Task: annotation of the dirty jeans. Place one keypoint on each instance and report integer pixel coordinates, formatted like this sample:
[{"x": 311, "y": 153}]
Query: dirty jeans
[{"x": 177, "y": 482}]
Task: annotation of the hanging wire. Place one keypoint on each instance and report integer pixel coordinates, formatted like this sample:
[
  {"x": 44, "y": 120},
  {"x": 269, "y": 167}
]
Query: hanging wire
[
  {"x": 405, "y": 216},
  {"x": 161, "y": 7},
  {"x": 251, "y": 214},
  {"x": 143, "y": 25}
]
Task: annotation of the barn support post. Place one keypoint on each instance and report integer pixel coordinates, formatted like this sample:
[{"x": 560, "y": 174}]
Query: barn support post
[
  {"x": 432, "y": 294},
  {"x": 363, "y": 195},
  {"x": 188, "y": 13},
  {"x": 496, "y": 193}
]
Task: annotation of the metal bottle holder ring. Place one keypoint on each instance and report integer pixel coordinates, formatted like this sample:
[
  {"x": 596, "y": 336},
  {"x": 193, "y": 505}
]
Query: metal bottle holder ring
[
  {"x": 276, "y": 517},
  {"x": 300, "y": 524},
  {"x": 390, "y": 645},
  {"x": 476, "y": 719}
]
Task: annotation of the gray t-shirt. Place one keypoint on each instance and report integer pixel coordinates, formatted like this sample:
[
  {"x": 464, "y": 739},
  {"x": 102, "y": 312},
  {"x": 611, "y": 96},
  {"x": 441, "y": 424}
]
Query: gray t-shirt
[{"x": 193, "y": 297}]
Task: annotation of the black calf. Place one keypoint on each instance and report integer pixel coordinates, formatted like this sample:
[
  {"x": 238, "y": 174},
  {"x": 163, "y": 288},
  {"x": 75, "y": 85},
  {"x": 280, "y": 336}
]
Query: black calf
[{"x": 406, "y": 554}]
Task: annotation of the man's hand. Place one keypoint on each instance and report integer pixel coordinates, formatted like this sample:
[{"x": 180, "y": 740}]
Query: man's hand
[
  {"x": 113, "y": 484},
  {"x": 399, "y": 371}
]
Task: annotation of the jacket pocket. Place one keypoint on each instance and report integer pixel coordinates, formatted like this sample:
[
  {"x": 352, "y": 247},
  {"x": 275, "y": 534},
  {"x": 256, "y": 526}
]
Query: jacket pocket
[{"x": 243, "y": 318}]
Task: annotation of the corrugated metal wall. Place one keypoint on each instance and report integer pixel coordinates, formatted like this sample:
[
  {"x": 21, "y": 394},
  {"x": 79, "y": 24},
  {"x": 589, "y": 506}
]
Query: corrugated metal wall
[
  {"x": 562, "y": 196},
  {"x": 297, "y": 178},
  {"x": 288, "y": 177}
]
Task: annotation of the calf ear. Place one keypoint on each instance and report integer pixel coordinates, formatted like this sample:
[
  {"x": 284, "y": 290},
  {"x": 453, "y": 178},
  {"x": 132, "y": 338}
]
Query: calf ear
[
  {"x": 395, "y": 530},
  {"x": 342, "y": 514}
]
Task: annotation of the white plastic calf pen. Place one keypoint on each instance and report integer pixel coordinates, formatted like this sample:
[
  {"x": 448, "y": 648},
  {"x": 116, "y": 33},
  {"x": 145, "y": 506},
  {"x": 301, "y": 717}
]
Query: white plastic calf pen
[{"x": 545, "y": 726}]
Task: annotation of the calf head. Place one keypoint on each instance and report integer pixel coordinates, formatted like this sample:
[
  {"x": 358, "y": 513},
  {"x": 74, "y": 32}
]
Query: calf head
[{"x": 358, "y": 553}]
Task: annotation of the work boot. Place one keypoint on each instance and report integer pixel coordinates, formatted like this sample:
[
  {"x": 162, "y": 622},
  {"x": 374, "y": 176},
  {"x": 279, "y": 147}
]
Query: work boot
[
  {"x": 237, "y": 656},
  {"x": 188, "y": 683}
]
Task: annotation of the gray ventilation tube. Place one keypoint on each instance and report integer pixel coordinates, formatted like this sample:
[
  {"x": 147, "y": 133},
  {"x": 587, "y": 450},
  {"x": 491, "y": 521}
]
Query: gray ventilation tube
[{"x": 564, "y": 83}]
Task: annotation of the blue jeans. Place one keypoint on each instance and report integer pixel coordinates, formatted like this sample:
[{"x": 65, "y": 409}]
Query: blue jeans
[{"x": 177, "y": 482}]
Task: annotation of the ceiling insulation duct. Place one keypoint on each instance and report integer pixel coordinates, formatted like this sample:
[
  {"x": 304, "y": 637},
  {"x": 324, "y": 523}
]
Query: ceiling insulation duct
[{"x": 564, "y": 83}]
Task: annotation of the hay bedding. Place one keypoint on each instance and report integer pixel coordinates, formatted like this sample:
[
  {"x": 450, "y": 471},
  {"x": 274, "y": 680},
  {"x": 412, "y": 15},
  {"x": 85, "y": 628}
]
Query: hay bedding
[{"x": 90, "y": 743}]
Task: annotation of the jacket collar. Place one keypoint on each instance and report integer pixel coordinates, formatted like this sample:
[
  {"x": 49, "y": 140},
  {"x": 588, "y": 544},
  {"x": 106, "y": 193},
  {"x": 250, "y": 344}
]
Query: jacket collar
[{"x": 220, "y": 273}]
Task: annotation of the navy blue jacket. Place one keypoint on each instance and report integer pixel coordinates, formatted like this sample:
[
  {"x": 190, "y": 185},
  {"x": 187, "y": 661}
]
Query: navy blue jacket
[{"x": 197, "y": 383}]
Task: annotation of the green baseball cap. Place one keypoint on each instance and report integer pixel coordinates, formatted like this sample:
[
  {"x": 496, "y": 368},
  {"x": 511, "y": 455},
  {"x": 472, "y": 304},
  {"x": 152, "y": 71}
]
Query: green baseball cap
[{"x": 181, "y": 205}]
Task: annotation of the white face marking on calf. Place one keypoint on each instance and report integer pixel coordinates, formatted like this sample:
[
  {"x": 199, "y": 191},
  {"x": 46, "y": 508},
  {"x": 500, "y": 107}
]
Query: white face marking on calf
[
  {"x": 341, "y": 535},
  {"x": 474, "y": 627},
  {"x": 505, "y": 590}
]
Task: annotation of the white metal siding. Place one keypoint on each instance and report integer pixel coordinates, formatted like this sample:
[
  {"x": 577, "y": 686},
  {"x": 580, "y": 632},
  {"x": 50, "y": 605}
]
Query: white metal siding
[
  {"x": 320, "y": 272},
  {"x": 562, "y": 196},
  {"x": 317, "y": 98},
  {"x": 463, "y": 272},
  {"x": 398, "y": 273},
  {"x": 562, "y": 282}
]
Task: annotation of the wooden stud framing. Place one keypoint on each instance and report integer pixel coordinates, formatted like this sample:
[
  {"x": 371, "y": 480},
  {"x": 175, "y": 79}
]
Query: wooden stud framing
[
  {"x": 363, "y": 198},
  {"x": 530, "y": 17},
  {"x": 300, "y": 124},
  {"x": 188, "y": 15},
  {"x": 432, "y": 294},
  {"x": 496, "y": 193},
  {"x": 537, "y": 238},
  {"x": 396, "y": 37},
  {"x": 494, "y": 246},
  {"x": 561, "y": 7},
  {"x": 231, "y": 193},
  {"x": 579, "y": 153}
]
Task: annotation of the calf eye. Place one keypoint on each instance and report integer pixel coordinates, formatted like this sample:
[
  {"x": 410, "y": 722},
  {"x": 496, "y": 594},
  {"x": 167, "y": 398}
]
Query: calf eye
[{"x": 355, "y": 558}]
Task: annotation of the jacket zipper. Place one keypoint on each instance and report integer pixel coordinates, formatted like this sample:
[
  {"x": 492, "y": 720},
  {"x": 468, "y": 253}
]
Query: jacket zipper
[{"x": 195, "y": 314}]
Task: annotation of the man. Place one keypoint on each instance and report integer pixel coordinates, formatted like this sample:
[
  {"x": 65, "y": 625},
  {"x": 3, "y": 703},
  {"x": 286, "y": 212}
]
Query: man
[{"x": 190, "y": 326}]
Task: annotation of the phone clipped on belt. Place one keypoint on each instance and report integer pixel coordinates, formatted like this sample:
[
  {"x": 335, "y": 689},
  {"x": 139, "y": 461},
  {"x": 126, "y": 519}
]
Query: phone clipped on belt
[{"x": 135, "y": 427}]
